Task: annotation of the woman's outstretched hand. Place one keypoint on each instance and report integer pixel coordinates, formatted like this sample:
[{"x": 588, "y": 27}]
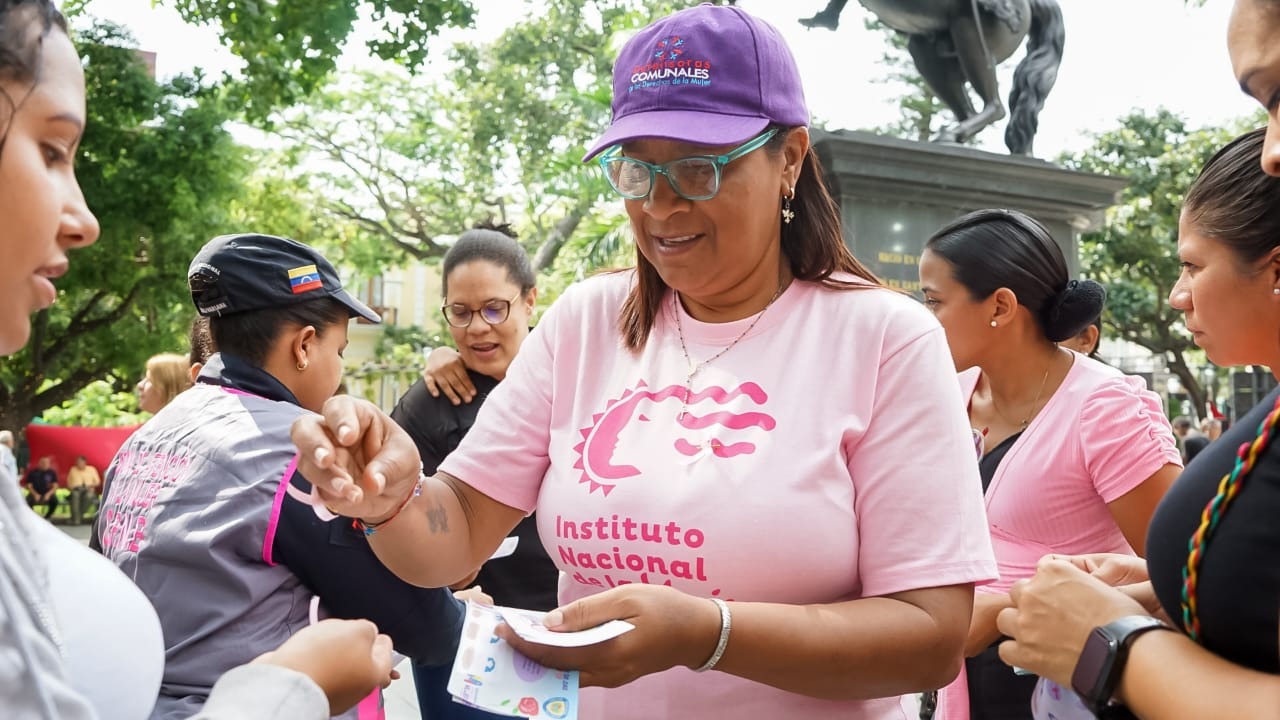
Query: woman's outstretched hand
[
  {"x": 346, "y": 658},
  {"x": 359, "y": 461}
]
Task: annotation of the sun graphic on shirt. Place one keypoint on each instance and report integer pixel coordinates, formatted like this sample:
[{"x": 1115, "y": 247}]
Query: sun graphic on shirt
[{"x": 600, "y": 439}]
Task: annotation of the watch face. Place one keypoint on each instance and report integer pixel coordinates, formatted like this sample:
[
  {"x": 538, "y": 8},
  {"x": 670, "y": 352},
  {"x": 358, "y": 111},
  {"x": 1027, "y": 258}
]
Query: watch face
[{"x": 1094, "y": 665}]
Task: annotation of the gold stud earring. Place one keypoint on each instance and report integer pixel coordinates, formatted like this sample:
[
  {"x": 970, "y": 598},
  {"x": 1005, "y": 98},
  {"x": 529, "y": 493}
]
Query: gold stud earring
[{"x": 303, "y": 365}]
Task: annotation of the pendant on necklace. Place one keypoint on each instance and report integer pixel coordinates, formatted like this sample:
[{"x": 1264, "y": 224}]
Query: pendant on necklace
[{"x": 688, "y": 393}]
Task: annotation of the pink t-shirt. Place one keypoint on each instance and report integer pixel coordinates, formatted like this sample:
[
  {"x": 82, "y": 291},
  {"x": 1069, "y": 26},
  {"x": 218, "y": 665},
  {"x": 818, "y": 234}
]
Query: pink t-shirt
[
  {"x": 824, "y": 457},
  {"x": 1100, "y": 435}
]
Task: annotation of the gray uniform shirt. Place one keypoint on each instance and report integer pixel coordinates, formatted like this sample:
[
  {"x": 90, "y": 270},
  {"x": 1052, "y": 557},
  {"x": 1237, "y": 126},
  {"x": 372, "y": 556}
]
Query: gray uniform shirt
[{"x": 192, "y": 504}]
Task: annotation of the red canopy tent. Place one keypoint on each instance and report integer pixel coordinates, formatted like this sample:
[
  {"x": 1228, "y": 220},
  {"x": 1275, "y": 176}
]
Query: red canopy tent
[{"x": 98, "y": 445}]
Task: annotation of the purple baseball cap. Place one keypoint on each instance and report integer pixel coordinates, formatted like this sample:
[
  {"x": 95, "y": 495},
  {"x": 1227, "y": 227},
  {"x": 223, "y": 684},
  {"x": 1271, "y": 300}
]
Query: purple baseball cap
[{"x": 709, "y": 75}]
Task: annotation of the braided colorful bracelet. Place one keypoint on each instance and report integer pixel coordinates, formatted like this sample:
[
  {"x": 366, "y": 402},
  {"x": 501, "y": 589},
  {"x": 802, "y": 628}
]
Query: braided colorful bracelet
[{"x": 369, "y": 528}]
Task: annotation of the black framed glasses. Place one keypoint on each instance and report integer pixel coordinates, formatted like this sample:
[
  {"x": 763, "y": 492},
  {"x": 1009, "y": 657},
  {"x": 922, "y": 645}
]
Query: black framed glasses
[
  {"x": 692, "y": 178},
  {"x": 493, "y": 312}
]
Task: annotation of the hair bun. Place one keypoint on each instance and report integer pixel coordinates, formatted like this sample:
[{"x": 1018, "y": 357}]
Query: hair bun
[{"x": 1073, "y": 309}]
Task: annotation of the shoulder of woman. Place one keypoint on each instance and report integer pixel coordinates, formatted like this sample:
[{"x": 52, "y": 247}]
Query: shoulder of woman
[
  {"x": 1106, "y": 394},
  {"x": 876, "y": 305},
  {"x": 608, "y": 289}
]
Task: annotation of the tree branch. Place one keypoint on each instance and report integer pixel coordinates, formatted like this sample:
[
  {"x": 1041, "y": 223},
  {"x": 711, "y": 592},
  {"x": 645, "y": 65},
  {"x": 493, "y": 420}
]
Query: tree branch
[
  {"x": 556, "y": 239},
  {"x": 80, "y": 326}
]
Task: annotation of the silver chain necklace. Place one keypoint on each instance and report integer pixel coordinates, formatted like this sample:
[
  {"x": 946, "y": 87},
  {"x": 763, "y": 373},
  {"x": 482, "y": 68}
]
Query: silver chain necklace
[{"x": 695, "y": 368}]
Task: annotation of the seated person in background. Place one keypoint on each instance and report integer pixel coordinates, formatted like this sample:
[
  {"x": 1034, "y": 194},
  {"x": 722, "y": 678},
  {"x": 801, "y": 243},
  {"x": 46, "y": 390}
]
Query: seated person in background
[
  {"x": 42, "y": 485},
  {"x": 83, "y": 482}
]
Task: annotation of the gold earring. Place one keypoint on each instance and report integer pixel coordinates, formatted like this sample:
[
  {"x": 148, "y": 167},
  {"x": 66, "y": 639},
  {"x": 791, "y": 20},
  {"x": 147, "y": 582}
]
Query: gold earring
[
  {"x": 303, "y": 365},
  {"x": 787, "y": 213}
]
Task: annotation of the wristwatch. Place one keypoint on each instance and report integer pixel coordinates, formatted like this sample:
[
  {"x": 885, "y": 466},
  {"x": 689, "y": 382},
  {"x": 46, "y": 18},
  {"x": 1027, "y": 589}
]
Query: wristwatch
[{"x": 1098, "y": 670}]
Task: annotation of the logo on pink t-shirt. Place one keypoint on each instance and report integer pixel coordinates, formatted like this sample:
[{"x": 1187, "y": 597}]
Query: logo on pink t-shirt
[{"x": 600, "y": 440}]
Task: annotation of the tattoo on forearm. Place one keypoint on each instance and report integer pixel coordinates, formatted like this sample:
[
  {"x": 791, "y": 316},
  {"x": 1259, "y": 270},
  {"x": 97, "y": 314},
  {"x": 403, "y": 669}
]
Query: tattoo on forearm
[{"x": 438, "y": 519}]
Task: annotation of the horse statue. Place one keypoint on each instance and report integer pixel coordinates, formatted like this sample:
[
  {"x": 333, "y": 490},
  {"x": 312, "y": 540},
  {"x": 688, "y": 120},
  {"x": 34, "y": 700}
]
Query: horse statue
[{"x": 954, "y": 42}]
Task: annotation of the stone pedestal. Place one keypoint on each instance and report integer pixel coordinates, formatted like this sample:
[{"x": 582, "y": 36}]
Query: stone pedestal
[{"x": 894, "y": 194}]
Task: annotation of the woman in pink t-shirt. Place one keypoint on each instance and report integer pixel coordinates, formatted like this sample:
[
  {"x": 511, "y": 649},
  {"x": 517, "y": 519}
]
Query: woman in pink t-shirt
[
  {"x": 745, "y": 447},
  {"x": 1075, "y": 454}
]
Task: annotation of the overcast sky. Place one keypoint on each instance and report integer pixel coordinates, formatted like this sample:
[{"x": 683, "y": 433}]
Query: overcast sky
[{"x": 1120, "y": 55}]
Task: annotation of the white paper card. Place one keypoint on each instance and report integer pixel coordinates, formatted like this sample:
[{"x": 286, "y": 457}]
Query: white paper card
[
  {"x": 528, "y": 625},
  {"x": 507, "y": 547}
]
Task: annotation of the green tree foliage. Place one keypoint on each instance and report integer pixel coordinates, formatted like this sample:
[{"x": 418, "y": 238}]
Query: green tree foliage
[
  {"x": 290, "y": 48},
  {"x": 383, "y": 155},
  {"x": 98, "y": 404},
  {"x": 157, "y": 168},
  {"x": 1135, "y": 253},
  {"x": 402, "y": 162}
]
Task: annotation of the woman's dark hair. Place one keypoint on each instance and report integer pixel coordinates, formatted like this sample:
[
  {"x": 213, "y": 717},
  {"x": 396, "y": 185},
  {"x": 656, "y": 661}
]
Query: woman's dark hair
[
  {"x": 1097, "y": 322},
  {"x": 250, "y": 335},
  {"x": 813, "y": 244},
  {"x": 201, "y": 341},
  {"x": 24, "y": 24},
  {"x": 1234, "y": 202},
  {"x": 491, "y": 243},
  {"x": 993, "y": 249}
]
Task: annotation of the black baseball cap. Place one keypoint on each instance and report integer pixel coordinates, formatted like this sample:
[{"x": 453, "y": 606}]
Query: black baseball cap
[{"x": 237, "y": 273}]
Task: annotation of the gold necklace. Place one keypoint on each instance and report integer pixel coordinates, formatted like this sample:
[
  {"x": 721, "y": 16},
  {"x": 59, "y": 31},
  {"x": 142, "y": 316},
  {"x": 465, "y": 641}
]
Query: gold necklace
[
  {"x": 694, "y": 369},
  {"x": 1034, "y": 403}
]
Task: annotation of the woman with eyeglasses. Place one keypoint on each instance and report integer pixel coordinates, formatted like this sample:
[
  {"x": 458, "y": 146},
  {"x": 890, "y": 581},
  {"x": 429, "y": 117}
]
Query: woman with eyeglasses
[
  {"x": 746, "y": 447},
  {"x": 489, "y": 296}
]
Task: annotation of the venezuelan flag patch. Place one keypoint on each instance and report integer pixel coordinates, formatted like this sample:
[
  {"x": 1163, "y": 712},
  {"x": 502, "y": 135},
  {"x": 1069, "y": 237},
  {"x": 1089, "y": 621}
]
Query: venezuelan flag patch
[{"x": 302, "y": 279}]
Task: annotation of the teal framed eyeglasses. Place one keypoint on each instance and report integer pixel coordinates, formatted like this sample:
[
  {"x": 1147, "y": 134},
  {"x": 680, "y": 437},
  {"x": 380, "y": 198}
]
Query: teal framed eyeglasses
[{"x": 692, "y": 178}]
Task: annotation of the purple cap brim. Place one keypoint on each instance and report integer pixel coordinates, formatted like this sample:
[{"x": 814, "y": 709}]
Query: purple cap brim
[{"x": 689, "y": 126}]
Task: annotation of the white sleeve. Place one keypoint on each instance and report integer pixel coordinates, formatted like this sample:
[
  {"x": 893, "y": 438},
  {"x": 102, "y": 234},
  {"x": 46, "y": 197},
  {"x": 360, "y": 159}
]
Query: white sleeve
[{"x": 264, "y": 692}]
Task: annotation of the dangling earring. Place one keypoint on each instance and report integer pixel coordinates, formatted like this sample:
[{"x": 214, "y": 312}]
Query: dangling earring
[
  {"x": 303, "y": 365},
  {"x": 787, "y": 213}
]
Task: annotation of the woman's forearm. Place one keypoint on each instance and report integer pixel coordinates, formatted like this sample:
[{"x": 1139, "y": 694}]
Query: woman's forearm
[
  {"x": 444, "y": 534},
  {"x": 982, "y": 628},
  {"x": 1170, "y": 677},
  {"x": 868, "y": 648}
]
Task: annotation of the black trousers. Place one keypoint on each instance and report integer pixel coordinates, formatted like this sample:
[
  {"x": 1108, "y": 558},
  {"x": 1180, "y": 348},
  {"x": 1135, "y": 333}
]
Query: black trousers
[
  {"x": 52, "y": 502},
  {"x": 995, "y": 691}
]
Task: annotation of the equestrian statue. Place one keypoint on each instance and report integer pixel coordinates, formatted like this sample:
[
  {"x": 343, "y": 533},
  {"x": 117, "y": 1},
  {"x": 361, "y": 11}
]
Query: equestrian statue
[{"x": 954, "y": 42}]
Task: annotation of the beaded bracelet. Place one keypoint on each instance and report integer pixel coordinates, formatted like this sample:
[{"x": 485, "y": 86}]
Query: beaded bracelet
[
  {"x": 726, "y": 623},
  {"x": 369, "y": 528}
]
